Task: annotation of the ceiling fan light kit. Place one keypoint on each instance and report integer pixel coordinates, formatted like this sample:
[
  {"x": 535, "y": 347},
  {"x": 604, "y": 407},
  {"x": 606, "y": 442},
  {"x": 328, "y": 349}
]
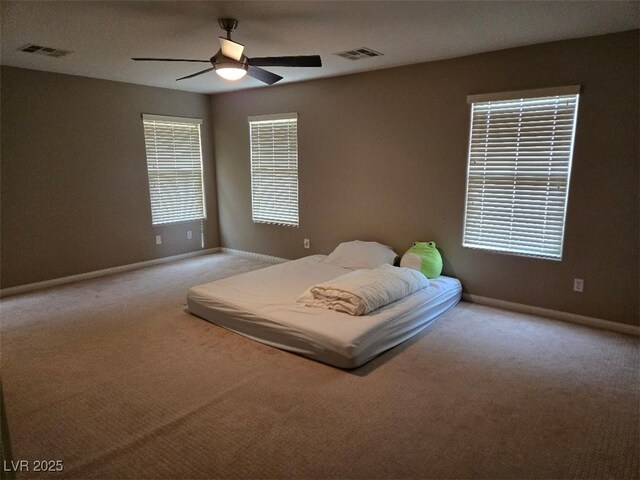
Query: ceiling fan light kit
[
  {"x": 231, "y": 71},
  {"x": 231, "y": 64}
]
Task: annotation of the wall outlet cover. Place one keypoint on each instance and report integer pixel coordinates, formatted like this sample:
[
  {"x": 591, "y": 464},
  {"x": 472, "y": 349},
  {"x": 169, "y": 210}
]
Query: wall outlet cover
[{"x": 158, "y": 239}]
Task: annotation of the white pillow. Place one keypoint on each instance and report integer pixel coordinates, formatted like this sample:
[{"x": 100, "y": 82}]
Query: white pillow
[{"x": 358, "y": 254}]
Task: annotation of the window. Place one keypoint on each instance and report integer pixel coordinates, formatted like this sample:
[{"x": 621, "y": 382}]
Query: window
[
  {"x": 174, "y": 164},
  {"x": 274, "y": 169},
  {"x": 520, "y": 151}
]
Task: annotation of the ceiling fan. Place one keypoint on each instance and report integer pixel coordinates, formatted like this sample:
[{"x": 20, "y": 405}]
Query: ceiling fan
[{"x": 231, "y": 64}]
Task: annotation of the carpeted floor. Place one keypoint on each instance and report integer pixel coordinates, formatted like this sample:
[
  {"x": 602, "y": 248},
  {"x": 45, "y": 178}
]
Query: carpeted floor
[{"x": 113, "y": 377}]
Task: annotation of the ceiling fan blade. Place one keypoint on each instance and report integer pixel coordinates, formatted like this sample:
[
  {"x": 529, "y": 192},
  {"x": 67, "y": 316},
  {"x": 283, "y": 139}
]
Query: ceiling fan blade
[
  {"x": 138, "y": 59},
  {"x": 263, "y": 75},
  {"x": 298, "y": 61},
  {"x": 231, "y": 49},
  {"x": 195, "y": 74}
]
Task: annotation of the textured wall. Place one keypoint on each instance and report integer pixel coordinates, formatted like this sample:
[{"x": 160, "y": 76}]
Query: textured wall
[
  {"x": 74, "y": 191},
  {"x": 383, "y": 157}
]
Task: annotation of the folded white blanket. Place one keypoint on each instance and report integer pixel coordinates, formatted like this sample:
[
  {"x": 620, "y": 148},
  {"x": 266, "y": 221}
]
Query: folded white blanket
[{"x": 363, "y": 291}]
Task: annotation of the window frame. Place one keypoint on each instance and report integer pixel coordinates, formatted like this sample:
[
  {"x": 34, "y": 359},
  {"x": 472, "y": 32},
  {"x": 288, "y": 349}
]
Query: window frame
[
  {"x": 161, "y": 217},
  {"x": 261, "y": 215},
  {"x": 521, "y": 96}
]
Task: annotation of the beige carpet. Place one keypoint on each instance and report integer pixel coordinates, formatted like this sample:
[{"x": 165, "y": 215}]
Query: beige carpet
[{"x": 116, "y": 379}]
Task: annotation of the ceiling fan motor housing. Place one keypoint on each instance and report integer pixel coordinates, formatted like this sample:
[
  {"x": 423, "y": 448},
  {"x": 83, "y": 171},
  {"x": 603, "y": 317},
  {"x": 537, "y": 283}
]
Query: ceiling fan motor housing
[{"x": 220, "y": 59}]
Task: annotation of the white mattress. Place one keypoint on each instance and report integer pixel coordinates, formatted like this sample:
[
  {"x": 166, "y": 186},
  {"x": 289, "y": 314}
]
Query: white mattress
[{"x": 261, "y": 305}]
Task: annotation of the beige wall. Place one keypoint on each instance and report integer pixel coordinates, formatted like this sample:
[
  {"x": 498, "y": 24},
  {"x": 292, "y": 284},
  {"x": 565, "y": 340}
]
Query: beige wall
[
  {"x": 383, "y": 157},
  {"x": 74, "y": 187}
]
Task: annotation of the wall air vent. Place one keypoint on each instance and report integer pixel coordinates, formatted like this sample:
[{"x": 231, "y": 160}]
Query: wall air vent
[
  {"x": 48, "y": 51},
  {"x": 359, "y": 53}
]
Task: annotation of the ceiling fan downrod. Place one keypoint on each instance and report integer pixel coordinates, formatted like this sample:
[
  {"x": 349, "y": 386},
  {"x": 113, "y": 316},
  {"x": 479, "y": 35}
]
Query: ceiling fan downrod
[{"x": 228, "y": 25}]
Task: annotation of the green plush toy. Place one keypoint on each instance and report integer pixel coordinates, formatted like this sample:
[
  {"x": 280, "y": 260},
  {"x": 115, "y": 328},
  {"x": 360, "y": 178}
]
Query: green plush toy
[{"x": 425, "y": 257}]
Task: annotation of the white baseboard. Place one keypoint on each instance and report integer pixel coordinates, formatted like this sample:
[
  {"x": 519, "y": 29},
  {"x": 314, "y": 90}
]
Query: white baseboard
[
  {"x": 491, "y": 302},
  {"x": 242, "y": 253},
  {"x": 553, "y": 314},
  {"x": 30, "y": 287}
]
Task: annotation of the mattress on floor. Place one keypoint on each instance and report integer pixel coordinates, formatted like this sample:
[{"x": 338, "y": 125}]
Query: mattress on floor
[{"x": 261, "y": 305}]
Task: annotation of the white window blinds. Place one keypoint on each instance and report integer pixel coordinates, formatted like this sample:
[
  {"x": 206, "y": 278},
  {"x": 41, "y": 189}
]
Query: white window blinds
[
  {"x": 274, "y": 169},
  {"x": 174, "y": 165},
  {"x": 520, "y": 153}
]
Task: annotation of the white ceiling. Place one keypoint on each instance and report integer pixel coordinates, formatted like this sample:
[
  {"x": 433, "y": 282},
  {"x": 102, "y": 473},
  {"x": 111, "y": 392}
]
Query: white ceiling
[{"x": 103, "y": 35}]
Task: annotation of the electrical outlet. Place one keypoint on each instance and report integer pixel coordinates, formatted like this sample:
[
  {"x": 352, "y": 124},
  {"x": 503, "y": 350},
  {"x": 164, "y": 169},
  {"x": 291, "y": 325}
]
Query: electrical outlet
[
  {"x": 306, "y": 243},
  {"x": 578, "y": 285},
  {"x": 189, "y": 234},
  {"x": 158, "y": 239}
]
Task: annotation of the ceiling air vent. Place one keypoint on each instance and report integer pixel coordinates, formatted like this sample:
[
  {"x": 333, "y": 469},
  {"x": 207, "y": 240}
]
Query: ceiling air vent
[
  {"x": 359, "y": 53},
  {"x": 48, "y": 51}
]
